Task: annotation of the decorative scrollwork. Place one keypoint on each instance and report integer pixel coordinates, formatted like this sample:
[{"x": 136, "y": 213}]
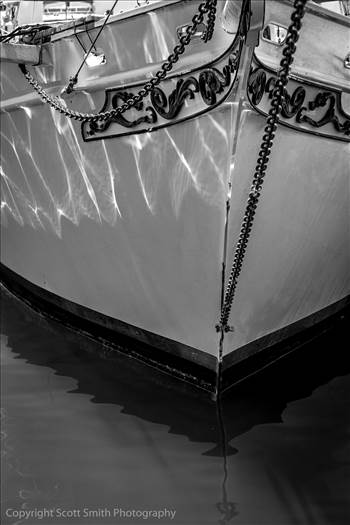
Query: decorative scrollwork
[
  {"x": 185, "y": 89},
  {"x": 292, "y": 104},
  {"x": 100, "y": 126},
  {"x": 299, "y": 108},
  {"x": 211, "y": 84},
  {"x": 256, "y": 86},
  {"x": 330, "y": 115}
]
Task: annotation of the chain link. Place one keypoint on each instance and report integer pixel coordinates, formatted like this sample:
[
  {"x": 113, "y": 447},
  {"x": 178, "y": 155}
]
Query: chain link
[
  {"x": 209, "y": 6},
  {"x": 262, "y": 162},
  {"x": 211, "y": 23}
]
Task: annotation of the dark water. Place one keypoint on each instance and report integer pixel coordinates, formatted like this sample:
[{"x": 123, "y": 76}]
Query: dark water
[{"x": 84, "y": 438}]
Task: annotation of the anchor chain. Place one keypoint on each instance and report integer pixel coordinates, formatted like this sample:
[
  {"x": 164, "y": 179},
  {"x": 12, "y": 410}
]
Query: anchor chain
[
  {"x": 209, "y": 6},
  {"x": 211, "y": 23},
  {"x": 262, "y": 162}
]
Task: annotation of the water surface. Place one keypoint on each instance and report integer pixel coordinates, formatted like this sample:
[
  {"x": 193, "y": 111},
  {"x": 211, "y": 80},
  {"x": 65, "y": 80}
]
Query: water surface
[{"x": 98, "y": 441}]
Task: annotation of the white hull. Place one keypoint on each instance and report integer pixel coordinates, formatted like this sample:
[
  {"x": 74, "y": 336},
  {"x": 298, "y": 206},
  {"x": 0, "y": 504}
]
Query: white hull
[{"x": 134, "y": 226}]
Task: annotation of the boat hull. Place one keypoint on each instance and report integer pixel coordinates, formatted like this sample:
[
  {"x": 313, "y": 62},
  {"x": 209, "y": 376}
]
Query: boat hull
[
  {"x": 187, "y": 364},
  {"x": 132, "y": 231}
]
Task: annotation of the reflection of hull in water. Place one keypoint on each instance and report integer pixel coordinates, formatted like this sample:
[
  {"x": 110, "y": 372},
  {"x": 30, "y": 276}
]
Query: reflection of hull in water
[
  {"x": 120, "y": 389},
  {"x": 130, "y": 389},
  {"x": 130, "y": 229},
  {"x": 112, "y": 379}
]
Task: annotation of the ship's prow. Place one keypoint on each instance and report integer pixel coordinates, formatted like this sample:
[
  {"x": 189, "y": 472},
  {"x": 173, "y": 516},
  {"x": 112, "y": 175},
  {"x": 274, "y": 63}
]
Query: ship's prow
[{"x": 175, "y": 180}]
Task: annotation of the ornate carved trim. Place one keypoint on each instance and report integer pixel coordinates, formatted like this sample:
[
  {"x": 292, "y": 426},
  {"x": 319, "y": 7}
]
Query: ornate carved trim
[
  {"x": 306, "y": 107},
  {"x": 177, "y": 99}
]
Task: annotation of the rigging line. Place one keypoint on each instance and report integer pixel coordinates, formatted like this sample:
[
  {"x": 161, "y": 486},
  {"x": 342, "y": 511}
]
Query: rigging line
[
  {"x": 148, "y": 87},
  {"x": 98, "y": 34},
  {"x": 76, "y": 36},
  {"x": 88, "y": 34},
  {"x": 73, "y": 80}
]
